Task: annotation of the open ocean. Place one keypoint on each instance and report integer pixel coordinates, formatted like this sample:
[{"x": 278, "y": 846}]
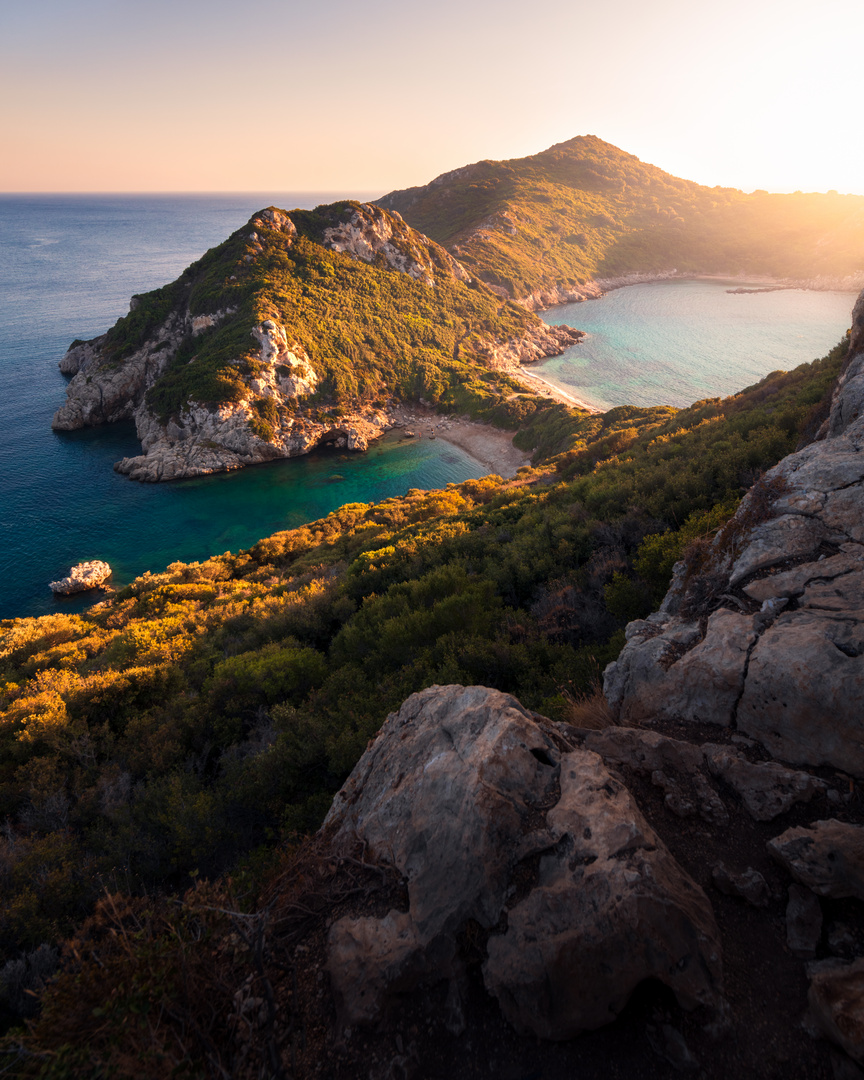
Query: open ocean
[{"x": 68, "y": 265}]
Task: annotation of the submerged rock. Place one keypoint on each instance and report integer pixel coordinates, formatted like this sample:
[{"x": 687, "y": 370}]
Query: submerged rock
[
  {"x": 84, "y": 576},
  {"x": 496, "y": 822}
]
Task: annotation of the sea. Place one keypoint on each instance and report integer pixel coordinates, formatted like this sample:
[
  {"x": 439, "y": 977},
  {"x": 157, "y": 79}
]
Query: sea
[{"x": 68, "y": 265}]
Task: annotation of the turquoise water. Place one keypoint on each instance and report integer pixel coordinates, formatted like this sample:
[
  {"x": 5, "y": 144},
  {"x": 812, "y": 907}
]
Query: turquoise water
[
  {"x": 674, "y": 342},
  {"x": 68, "y": 266}
]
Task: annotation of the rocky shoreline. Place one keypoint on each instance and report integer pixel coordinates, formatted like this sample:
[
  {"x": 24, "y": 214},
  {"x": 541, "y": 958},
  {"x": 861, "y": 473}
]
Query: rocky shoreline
[
  {"x": 206, "y": 438},
  {"x": 271, "y": 411}
]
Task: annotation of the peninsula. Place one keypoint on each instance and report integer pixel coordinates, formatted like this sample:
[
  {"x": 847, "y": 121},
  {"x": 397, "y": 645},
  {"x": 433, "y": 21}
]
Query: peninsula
[
  {"x": 300, "y": 330},
  {"x": 584, "y": 217}
]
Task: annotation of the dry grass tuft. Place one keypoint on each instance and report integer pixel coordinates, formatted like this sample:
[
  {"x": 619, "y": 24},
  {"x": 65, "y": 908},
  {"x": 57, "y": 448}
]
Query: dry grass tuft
[{"x": 589, "y": 710}]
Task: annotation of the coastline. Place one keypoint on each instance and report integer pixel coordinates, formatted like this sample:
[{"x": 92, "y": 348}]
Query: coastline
[
  {"x": 544, "y": 299},
  {"x": 491, "y": 446},
  {"x": 551, "y": 390}
]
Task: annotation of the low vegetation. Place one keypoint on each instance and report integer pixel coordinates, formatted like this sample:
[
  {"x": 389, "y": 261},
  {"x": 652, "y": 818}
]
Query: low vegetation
[
  {"x": 188, "y": 725},
  {"x": 584, "y": 209}
]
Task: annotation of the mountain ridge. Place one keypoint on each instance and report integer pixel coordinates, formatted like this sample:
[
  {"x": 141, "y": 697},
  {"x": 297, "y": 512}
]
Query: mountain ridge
[{"x": 582, "y": 215}]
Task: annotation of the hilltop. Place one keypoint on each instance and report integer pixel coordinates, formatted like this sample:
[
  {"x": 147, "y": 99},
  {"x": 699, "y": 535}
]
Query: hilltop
[
  {"x": 580, "y": 216},
  {"x": 300, "y": 329}
]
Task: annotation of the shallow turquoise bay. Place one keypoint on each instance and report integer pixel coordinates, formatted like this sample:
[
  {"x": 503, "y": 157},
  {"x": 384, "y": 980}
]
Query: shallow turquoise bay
[{"x": 675, "y": 342}]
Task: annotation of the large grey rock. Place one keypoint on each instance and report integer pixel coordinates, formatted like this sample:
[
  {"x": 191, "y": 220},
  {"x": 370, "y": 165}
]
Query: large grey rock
[
  {"x": 676, "y": 675},
  {"x": 803, "y": 690},
  {"x": 767, "y": 789},
  {"x": 463, "y": 792},
  {"x": 792, "y": 674},
  {"x": 836, "y": 998},
  {"x": 827, "y": 857}
]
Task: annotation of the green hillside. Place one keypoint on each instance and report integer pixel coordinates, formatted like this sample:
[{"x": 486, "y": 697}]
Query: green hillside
[
  {"x": 367, "y": 328},
  {"x": 584, "y": 209},
  {"x": 192, "y": 721}
]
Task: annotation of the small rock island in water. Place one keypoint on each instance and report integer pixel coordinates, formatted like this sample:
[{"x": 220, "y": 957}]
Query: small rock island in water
[{"x": 84, "y": 576}]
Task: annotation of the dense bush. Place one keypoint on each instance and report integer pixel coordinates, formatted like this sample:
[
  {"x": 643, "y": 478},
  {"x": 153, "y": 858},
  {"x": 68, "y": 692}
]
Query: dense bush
[{"x": 214, "y": 707}]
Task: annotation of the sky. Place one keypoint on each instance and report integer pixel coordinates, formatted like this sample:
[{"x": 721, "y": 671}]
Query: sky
[{"x": 351, "y": 96}]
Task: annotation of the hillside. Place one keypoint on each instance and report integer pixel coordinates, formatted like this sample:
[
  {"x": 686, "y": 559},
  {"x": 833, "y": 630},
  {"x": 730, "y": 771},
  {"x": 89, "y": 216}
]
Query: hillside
[
  {"x": 203, "y": 713},
  {"x": 545, "y": 227},
  {"x": 298, "y": 330}
]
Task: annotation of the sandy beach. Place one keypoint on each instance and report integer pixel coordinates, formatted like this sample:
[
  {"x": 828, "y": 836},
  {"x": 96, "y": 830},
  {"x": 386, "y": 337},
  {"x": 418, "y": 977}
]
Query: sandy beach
[
  {"x": 530, "y": 380},
  {"x": 490, "y": 445}
]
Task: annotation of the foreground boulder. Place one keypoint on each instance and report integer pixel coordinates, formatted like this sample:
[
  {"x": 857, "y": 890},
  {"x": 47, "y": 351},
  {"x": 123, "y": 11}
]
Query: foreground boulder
[
  {"x": 84, "y": 576},
  {"x": 497, "y": 823},
  {"x": 836, "y": 999},
  {"x": 768, "y": 635}
]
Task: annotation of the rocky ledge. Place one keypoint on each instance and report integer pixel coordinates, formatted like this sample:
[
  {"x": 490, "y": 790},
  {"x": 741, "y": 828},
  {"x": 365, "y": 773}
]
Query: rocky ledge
[
  {"x": 767, "y": 634},
  {"x": 544, "y": 900},
  {"x": 84, "y": 576},
  {"x": 494, "y": 818}
]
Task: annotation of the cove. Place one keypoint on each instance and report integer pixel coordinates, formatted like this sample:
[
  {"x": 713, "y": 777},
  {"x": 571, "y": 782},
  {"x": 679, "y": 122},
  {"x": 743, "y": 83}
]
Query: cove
[
  {"x": 68, "y": 266},
  {"x": 676, "y": 342}
]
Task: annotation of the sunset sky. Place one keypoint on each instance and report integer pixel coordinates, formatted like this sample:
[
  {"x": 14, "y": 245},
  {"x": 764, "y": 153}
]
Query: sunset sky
[{"x": 370, "y": 95}]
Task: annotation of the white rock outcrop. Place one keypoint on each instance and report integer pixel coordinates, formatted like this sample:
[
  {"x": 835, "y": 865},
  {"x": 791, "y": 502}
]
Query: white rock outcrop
[
  {"x": 370, "y": 233},
  {"x": 83, "y": 576}
]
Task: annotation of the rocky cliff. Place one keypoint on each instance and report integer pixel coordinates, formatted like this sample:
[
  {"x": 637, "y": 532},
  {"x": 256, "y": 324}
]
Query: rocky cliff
[
  {"x": 763, "y": 627},
  {"x": 286, "y": 338},
  {"x": 675, "y": 874}
]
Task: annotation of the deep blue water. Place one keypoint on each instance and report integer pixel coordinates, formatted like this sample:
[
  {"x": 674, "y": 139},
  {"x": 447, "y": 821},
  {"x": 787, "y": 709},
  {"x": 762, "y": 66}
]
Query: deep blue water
[
  {"x": 674, "y": 342},
  {"x": 68, "y": 266}
]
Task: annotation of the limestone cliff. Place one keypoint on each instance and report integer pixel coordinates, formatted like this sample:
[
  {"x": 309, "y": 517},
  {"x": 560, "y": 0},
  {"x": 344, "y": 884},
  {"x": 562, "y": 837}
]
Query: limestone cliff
[
  {"x": 766, "y": 632},
  {"x": 292, "y": 334}
]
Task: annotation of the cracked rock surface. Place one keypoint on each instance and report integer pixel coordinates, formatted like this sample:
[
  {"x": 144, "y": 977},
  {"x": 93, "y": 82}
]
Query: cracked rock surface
[
  {"x": 495, "y": 821},
  {"x": 779, "y": 652}
]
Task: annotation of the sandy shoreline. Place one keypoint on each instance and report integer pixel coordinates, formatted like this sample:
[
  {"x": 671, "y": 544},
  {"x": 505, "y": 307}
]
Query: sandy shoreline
[
  {"x": 529, "y": 380},
  {"x": 491, "y": 446}
]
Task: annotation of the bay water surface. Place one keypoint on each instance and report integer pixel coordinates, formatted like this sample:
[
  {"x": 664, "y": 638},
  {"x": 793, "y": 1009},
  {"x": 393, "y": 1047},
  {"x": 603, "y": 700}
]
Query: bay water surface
[
  {"x": 68, "y": 265},
  {"x": 676, "y": 342}
]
